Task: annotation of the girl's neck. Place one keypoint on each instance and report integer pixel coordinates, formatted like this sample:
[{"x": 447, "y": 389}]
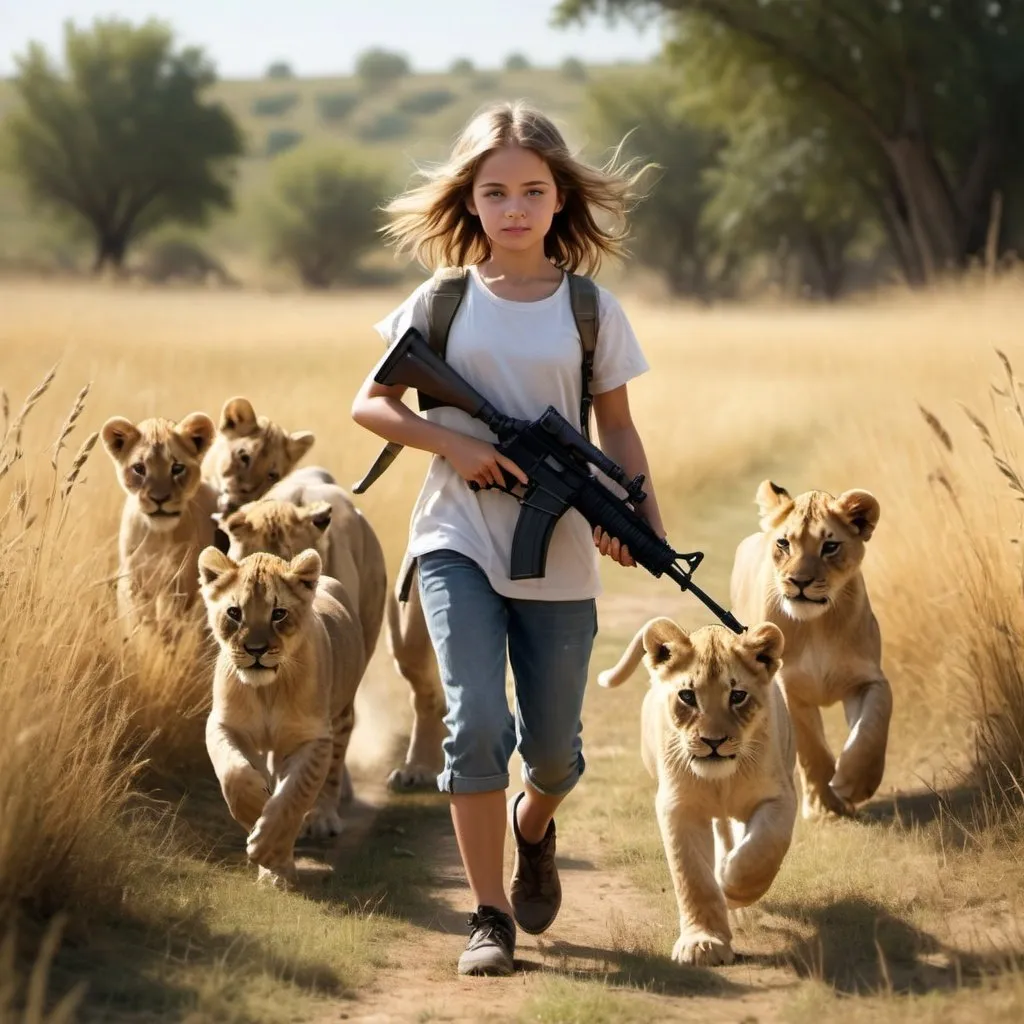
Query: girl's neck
[{"x": 519, "y": 268}]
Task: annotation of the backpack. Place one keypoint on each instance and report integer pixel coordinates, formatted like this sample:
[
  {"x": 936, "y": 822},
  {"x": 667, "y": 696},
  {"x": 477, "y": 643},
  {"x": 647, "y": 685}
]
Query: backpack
[{"x": 447, "y": 288}]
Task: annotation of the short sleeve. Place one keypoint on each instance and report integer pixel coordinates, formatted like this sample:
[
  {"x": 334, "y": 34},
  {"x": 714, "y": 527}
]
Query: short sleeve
[
  {"x": 411, "y": 313},
  {"x": 618, "y": 358}
]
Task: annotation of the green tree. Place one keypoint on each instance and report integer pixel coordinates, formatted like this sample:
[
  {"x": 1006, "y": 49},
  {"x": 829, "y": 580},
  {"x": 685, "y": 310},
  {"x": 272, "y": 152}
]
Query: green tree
[
  {"x": 932, "y": 89},
  {"x": 280, "y": 69},
  {"x": 669, "y": 235},
  {"x": 378, "y": 67},
  {"x": 516, "y": 62},
  {"x": 462, "y": 66},
  {"x": 122, "y": 142},
  {"x": 322, "y": 215}
]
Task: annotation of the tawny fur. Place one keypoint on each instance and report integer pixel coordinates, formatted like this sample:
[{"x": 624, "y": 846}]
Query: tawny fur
[
  {"x": 303, "y": 512},
  {"x": 814, "y": 545},
  {"x": 726, "y": 822},
  {"x": 251, "y": 453},
  {"x": 290, "y": 659},
  {"x": 166, "y": 518}
]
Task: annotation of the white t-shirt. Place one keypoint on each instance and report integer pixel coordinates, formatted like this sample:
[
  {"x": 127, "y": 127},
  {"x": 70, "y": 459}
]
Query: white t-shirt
[{"x": 522, "y": 357}]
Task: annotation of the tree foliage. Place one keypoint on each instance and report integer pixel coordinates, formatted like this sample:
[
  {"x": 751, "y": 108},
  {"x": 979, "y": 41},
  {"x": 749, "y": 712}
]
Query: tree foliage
[
  {"x": 669, "y": 234},
  {"x": 926, "y": 96},
  {"x": 123, "y": 140},
  {"x": 378, "y": 67},
  {"x": 322, "y": 214}
]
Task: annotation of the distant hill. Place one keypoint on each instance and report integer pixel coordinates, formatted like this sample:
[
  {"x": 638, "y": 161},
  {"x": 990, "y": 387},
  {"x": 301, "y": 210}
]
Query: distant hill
[{"x": 412, "y": 120}]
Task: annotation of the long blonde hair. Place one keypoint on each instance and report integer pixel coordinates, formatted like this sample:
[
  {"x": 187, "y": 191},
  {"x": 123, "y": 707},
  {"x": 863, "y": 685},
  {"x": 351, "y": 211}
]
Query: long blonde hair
[{"x": 431, "y": 220}]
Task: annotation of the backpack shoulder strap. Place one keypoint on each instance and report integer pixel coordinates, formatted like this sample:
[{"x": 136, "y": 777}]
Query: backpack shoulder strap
[
  {"x": 583, "y": 297},
  {"x": 447, "y": 288}
]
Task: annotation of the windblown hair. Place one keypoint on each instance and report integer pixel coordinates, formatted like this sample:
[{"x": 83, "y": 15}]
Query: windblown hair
[{"x": 431, "y": 220}]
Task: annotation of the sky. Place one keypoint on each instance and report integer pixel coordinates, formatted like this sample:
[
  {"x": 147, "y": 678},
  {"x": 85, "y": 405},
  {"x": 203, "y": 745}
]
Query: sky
[{"x": 323, "y": 37}]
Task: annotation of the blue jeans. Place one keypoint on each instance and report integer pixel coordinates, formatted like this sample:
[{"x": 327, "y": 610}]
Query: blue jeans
[{"x": 549, "y": 645}]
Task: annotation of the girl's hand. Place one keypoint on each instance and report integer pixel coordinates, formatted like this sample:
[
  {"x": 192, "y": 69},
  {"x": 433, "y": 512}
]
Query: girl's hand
[
  {"x": 610, "y": 546},
  {"x": 480, "y": 462}
]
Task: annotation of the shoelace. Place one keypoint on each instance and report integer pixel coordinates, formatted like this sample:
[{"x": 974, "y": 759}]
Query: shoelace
[
  {"x": 538, "y": 866},
  {"x": 490, "y": 926}
]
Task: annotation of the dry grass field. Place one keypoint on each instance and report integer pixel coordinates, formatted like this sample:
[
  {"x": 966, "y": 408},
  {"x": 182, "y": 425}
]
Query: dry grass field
[{"x": 123, "y": 880}]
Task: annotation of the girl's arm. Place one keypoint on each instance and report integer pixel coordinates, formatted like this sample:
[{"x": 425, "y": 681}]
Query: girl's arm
[
  {"x": 381, "y": 409},
  {"x": 620, "y": 441}
]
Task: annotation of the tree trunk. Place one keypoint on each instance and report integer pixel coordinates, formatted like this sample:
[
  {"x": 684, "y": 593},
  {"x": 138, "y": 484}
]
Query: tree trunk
[
  {"x": 110, "y": 248},
  {"x": 932, "y": 213}
]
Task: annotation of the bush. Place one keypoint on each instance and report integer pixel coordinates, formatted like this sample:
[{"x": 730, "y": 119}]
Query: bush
[
  {"x": 280, "y": 69},
  {"x": 384, "y": 127},
  {"x": 322, "y": 215},
  {"x": 336, "y": 106},
  {"x": 486, "y": 82},
  {"x": 428, "y": 101},
  {"x": 462, "y": 66},
  {"x": 274, "y": 105},
  {"x": 516, "y": 62},
  {"x": 574, "y": 69},
  {"x": 280, "y": 140},
  {"x": 378, "y": 67}
]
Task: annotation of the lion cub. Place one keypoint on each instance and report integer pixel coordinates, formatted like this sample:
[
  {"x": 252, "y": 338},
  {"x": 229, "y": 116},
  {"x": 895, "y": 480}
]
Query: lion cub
[
  {"x": 252, "y": 453},
  {"x": 302, "y": 512},
  {"x": 165, "y": 521},
  {"x": 290, "y": 658},
  {"x": 802, "y": 571},
  {"x": 716, "y": 737}
]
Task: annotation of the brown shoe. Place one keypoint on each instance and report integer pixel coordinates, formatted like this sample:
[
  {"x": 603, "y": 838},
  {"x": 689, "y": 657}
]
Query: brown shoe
[{"x": 536, "y": 892}]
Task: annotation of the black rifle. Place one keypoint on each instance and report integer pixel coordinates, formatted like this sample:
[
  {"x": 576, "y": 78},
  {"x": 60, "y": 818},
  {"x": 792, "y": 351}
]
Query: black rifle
[{"x": 556, "y": 459}]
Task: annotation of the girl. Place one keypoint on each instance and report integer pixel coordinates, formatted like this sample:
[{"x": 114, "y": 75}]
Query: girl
[{"x": 518, "y": 209}]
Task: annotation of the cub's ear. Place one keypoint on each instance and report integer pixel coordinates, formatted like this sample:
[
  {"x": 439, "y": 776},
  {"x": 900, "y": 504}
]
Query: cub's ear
[
  {"x": 859, "y": 510},
  {"x": 773, "y": 503},
  {"x": 236, "y": 523},
  {"x": 306, "y": 567},
  {"x": 319, "y": 514},
  {"x": 237, "y": 418},
  {"x": 298, "y": 444},
  {"x": 765, "y": 644},
  {"x": 214, "y": 565},
  {"x": 119, "y": 436},
  {"x": 662, "y": 639},
  {"x": 197, "y": 431}
]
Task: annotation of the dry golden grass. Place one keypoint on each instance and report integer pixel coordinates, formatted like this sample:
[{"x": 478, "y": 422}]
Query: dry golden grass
[{"x": 813, "y": 397}]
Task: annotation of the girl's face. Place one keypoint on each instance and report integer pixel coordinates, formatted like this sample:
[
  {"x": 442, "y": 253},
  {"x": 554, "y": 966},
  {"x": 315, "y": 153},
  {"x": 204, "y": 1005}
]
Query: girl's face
[{"x": 514, "y": 196}]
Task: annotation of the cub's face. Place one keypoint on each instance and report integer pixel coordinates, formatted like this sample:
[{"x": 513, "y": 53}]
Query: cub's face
[
  {"x": 159, "y": 463},
  {"x": 280, "y": 527},
  {"x": 251, "y": 454},
  {"x": 715, "y": 687},
  {"x": 258, "y": 608},
  {"x": 817, "y": 544}
]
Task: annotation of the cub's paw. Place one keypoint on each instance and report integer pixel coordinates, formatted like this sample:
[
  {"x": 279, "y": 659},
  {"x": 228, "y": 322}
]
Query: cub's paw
[
  {"x": 702, "y": 950},
  {"x": 266, "y": 845},
  {"x": 820, "y": 805},
  {"x": 321, "y": 823},
  {"x": 412, "y": 778},
  {"x": 282, "y": 878}
]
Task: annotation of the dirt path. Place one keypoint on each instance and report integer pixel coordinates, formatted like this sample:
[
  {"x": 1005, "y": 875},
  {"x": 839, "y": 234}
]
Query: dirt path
[{"x": 605, "y": 935}]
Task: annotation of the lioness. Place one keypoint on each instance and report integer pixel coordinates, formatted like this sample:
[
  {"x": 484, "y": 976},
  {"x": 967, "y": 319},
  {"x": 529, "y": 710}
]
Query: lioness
[
  {"x": 290, "y": 658},
  {"x": 165, "y": 521},
  {"x": 250, "y": 454},
  {"x": 301, "y": 512},
  {"x": 803, "y": 572},
  {"x": 716, "y": 737}
]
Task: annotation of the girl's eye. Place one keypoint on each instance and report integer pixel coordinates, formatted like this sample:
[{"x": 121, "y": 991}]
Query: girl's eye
[
  {"x": 279, "y": 614},
  {"x": 177, "y": 469},
  {"x": 688, "y": 697},
  {"x": 737, "y": 697},
  {"x": 783, "y": 544},
  {"x": 273, "y": 477},
  {"x": 830, "y": 547},
  {"x": 140, "y": 468},
  {"x": 235, "y": 613}
]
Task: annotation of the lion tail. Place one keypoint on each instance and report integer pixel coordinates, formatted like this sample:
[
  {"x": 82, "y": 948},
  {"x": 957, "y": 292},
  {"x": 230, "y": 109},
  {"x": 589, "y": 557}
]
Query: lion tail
[{"x": 624, "y": 668}]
